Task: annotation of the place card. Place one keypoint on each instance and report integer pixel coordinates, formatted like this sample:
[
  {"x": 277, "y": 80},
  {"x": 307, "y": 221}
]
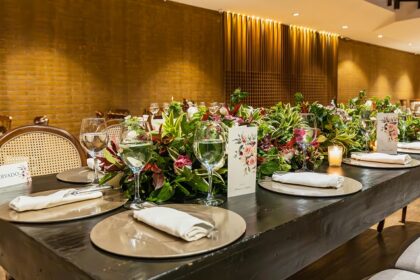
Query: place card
[
  {"x": 14, "y": 174},
  {"x": 387, "y": 133},
  {"x": 242, "y": 160}
]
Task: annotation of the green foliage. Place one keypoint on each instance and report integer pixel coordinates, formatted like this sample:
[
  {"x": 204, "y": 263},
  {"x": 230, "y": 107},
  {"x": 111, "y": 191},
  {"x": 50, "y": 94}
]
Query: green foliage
[
  {"x": 338, "y": 124},
  {"x": 237, "y": 96}
]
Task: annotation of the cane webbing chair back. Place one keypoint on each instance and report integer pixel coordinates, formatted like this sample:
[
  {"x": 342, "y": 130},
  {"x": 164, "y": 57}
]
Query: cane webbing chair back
[
  {"x": 114, "y": 132},
  {"x": 49, "y": 149}
]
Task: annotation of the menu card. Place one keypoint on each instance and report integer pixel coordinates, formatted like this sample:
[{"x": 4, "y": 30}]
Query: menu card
[
  {"x": 242, "y": 160},
  {"x": 14, "y": 174},
  {"x": 387, "y": 133}
]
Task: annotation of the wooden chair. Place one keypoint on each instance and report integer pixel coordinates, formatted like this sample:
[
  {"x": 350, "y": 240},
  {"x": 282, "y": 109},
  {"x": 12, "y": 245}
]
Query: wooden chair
[
  {"x": 117, "y": 114},
  {"x": 5, "y": 124},
  {"x": 41, "y": 120},
  {"x": 49, "y": 149}
]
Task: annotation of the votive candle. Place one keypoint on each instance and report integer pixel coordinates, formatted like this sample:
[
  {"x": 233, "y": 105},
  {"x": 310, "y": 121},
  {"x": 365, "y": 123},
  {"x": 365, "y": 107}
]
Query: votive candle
[{"x": 335, "y": 155}]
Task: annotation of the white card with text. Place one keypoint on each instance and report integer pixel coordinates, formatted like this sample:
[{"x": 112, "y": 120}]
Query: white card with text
[
  {"x": 14, "y": 174},
  {"x": 242, "y": 160},
  {"x": 387, "y": 133}
]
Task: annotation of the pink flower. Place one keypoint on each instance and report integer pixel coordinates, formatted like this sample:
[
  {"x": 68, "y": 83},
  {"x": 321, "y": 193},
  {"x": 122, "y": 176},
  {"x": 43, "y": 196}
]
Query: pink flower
[
  {"x": 182, "y": 161},
  {"x": 248, "y": 150},
  {"x": 158, "y": 180},
  {"x": 251, "y": 161}
]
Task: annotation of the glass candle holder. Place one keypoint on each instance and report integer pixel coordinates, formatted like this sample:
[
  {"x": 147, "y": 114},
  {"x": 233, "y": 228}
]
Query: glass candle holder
[{"x": 335, "y": 155}]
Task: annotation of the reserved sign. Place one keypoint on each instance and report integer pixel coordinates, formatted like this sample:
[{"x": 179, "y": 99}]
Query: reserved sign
[{"x": 14, "y": 174}]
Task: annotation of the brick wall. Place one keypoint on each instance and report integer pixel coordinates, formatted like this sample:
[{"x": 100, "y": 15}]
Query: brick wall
[
  {"x": 381, "y": 71},
  {"x": 67, "y": 59}
]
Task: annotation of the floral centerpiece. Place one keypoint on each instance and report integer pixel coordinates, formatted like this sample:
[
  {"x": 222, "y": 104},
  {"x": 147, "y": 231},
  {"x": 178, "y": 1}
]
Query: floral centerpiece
[{"x": 175, "y": 174}]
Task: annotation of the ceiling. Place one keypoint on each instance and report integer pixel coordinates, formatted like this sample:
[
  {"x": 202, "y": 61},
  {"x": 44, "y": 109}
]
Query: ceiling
[{"x": 367, "y": 20}]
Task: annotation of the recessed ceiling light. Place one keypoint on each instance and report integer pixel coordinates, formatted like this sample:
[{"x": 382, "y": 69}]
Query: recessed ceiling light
[
  {"x": 410, "y": 44},
  {"x": 345, "y": 27},
  {"x": 296, "y": 14},
  {"x": 380, "y": 36}
]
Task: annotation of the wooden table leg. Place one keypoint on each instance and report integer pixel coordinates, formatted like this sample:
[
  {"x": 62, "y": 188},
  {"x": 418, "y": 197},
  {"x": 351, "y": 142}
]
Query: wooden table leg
[
  {"x": 380, "y": 226},
  {"x": 404, "y": 214}
]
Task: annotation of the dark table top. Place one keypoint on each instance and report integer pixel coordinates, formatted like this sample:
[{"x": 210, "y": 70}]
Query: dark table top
[{"x": 284, "y": 234}]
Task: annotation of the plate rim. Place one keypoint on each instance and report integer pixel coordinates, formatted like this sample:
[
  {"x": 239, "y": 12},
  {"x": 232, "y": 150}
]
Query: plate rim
[
  {"x": 59, "y": 221},
  {"x": 390, "y": 165},
  {"x": 128, "y": 212},
  {"x": 315, "y": 196}
]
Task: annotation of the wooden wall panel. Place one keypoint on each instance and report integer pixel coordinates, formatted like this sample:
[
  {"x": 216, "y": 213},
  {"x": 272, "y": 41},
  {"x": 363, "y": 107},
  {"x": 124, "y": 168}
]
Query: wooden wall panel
[
  {"x": 274, "y": 61},
  {"x": 380, "y": 71},
  {"x": 69, "y": 58}
]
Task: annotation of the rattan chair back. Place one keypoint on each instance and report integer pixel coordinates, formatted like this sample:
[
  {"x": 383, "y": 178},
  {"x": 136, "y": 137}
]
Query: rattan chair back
[{"x": 49, "y": 149}]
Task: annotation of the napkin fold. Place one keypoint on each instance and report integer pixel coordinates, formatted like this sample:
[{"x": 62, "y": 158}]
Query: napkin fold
[
  {"x": 411, "y": 145},
  {"x": 382, "y": 158},
  {"x": 310, "y": 179},
  {"x": 174, "y": 222},
  {"x": 27, "y": 203}
]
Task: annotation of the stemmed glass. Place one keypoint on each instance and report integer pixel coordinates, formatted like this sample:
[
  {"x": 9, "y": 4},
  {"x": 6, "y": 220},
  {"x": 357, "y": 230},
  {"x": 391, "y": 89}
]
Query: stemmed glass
[
  {"x": 209, "y": 148},
  {"x": 213, "y": 107},
  {"x": 154, "y": 109},
  {"x": 94, "y": 137},
  {"x": 165, "y": 108},
  {"x": 305, "y": 133},
  {"x": 366, "y": 127},
  {"x": 136, "y": 151}
]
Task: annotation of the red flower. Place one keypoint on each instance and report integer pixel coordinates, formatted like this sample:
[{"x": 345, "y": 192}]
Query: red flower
[{"x": 182, "y": 161}]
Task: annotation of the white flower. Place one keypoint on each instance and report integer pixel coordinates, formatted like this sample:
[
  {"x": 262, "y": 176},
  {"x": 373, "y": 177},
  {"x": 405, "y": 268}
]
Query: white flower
[
  {"x": 127, "y": 117},
  {"x": 191, "y": 111},
  {"x": 223, "y": 111},
  {"x": 369, "y": 104}
]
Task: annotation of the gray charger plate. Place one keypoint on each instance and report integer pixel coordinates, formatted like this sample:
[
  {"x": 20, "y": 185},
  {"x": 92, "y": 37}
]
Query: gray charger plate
[
  {"x": 121, "y": 234},
  {"x": 111, "y": 200},
  {"x": 349, "y": 186},
  {"x": 80, "y": 175}
]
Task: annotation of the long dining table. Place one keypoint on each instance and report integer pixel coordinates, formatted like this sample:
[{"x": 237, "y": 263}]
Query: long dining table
[{"x": 283, "y": 235}]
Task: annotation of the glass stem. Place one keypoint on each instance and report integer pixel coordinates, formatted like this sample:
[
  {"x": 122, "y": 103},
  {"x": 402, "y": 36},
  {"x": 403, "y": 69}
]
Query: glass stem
[
  {"x": 137, "y": 186},
  {"x": 95, "y": 168},
  {"x": 210, "y": 190},
  {"x": 304, "y": 167}
]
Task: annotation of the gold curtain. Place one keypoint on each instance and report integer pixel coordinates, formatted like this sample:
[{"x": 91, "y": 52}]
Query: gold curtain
[{"x": 273, "y": 61}]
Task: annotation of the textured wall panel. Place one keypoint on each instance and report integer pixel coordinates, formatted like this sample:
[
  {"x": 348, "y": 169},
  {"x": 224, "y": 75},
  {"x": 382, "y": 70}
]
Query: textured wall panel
[
  {"x": 69, "y": 58},
  {"x": 381, "y": 71}
]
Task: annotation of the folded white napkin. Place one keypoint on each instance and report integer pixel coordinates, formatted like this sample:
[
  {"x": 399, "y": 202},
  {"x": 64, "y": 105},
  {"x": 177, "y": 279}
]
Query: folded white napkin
[
  {"x": 26, "y": 203},
  {"x": 174, "y": 222},
  {"x": 411, "y": 145},
  {"x": 310, "y": 179},
  {"x": 382, "y": 158}
]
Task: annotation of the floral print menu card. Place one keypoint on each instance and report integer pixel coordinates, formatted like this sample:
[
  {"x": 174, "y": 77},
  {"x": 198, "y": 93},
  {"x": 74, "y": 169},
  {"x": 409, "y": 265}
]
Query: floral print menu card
[
  {"x": 387, "y": 133},
  {"x": 242, "y": 160}
]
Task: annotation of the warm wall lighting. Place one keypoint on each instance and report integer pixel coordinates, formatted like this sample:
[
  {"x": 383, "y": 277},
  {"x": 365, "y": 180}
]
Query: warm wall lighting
[
  {"x": 296, "y": 14},
  {"x": 380, "y": 36},
  {"x": 410, "y": 44},
  {"x": 345, "y": 27}
]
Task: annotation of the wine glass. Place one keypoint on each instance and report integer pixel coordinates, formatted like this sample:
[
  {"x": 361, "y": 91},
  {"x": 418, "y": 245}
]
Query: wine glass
[
  {"x": 154, "y": 109},
  {"x": 94, "y": 138},
  {"x": 367, "y": 125},
  {"x": 136, "y": 150},
  {"x": 210, "y": 148},
  {"x": 305, "y": 133},
  {"x": 214, "y": 107},
  {"x": 165, "y": 108}
]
